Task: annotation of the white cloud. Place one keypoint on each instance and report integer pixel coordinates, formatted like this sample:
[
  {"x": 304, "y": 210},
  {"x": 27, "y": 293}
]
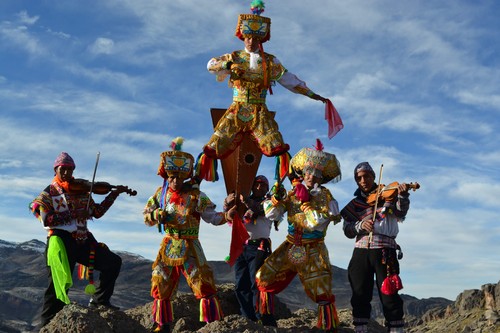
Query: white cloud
[
  {"x": 20, "y": 37},
  {"x": 102, "y": 46},
  {"x": 24, "y": 18},
  {"x": 415, "y": 83}
]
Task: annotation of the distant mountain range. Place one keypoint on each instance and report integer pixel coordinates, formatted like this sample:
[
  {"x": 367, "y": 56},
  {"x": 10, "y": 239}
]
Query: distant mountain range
[{"x": 23, "y": 281}]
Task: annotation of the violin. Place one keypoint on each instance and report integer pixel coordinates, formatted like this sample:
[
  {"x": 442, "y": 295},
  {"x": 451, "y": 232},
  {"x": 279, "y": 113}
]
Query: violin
[
  {"x": 388, "y": 192},
  {"x": 80, "y": 186}
]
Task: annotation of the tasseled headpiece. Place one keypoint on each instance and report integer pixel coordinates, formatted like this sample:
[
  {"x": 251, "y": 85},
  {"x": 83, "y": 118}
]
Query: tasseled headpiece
[
  {"x": 253, "y": 25},
  {"x": 319, "y": 145},
  {"x": 257, "y": 7},
  {"x": 317, "y": 162},
  {"x": 176, "y": 162},
  {"x": 177, "y": 143}
]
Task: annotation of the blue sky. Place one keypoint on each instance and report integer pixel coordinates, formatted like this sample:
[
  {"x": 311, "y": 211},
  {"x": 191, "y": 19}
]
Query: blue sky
[{"x": 416, "y": 83}]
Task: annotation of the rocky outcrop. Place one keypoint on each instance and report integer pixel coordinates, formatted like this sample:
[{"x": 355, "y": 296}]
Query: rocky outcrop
[
  {"x": 24, "y": 280},
  {"x": 76, "y": 318},
  {"x": 474, "y": 311}
]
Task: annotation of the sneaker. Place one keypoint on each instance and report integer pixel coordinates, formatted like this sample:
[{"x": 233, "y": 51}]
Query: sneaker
[{"x": 94, "y": 304}]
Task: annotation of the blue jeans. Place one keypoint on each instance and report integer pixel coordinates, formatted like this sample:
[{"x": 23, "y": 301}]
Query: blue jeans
[{"x": 245, "y": 268}]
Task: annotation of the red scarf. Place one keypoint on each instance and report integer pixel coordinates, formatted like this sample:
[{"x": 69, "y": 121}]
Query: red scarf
[
  {"x": 175, "y": 197},
  {"x": 64, "y": 185}
]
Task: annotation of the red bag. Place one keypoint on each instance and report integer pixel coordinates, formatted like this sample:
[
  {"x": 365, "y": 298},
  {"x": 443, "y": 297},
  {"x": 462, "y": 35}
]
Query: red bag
[{"x": 391, "y": 285}]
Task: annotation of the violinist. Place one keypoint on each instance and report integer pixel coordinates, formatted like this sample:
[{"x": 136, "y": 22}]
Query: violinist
[
  {"x": 64, "y": 213},
  {"x": 374, "y": 225}
]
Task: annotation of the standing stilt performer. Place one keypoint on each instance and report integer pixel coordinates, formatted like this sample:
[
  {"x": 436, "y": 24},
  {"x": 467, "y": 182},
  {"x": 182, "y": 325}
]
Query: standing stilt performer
[
  {"x": 176, "y": 208},
  {"x": 251, "y": 73},
  {"x": 310, "y": 209}
]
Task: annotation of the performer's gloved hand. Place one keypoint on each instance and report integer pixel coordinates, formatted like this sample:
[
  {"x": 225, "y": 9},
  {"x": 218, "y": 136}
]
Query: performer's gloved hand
[
  {"x": 249, "y": 216},
  {"x": 237, "y": 70},
  {"x": 317, "y": 97},
  {"x": 162, "y": 216},
  {"x": 301, "y": 192},
  {"x": 278, "y": 192}
]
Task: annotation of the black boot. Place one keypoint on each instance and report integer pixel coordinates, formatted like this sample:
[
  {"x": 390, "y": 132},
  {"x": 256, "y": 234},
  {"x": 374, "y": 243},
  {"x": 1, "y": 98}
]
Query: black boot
[
  {"x": 268, "y": 320},
  {"x": 156, "y": 328},
  {"x": 94, "y": 304}
]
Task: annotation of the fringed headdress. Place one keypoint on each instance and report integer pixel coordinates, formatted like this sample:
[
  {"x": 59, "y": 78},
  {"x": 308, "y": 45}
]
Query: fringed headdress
[
  {"x": 176, "y": 162},
  {"x": 318, "y": 163},
  {"x": 253, "y": 25}
]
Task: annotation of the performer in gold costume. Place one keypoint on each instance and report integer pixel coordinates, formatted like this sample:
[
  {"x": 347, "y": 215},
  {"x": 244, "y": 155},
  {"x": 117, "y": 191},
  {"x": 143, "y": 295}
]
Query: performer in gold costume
[
  {"x": 251, "y": 73},
  {"x": 176, "y": 208},
  {"x": 310, "y": 208}
]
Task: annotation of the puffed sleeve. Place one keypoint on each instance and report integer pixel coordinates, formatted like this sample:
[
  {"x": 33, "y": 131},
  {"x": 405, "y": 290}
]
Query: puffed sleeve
[{"x": 207, "y": 211}]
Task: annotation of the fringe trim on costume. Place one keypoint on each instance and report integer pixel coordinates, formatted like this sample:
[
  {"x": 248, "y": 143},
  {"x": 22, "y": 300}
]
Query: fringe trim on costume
[
  {"x": 206, "y": 168},
  {"x": 83, "y": 272},
  {"x": 265, "y": 303},
  {"x": 327, "y": 317},
  {"x": 163, "y": 312},
  {"x": 282, "y": 165},
  {"x": 210, "y": 309},
  {"x": 87, "y": 273}
]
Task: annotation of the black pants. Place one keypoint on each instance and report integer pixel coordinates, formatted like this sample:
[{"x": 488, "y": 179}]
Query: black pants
[
  {"x": 363, "y": 265},
  {"x": 106, "y": 262},
  {"x": 245, "y": 268}
]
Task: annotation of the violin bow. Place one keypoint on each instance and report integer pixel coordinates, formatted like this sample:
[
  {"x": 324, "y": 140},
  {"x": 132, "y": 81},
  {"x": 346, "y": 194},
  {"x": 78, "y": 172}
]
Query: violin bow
[
  {"x": 370, "y": 236},
  {"x": 93, "y": 180}
]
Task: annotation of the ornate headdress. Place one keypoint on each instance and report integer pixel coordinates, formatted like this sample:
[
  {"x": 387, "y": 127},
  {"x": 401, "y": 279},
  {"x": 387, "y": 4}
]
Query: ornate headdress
[
  {"x": 318, "y": 163},
  {"x": 253, "y": 25},
  {"x": 176, "y": 162}
]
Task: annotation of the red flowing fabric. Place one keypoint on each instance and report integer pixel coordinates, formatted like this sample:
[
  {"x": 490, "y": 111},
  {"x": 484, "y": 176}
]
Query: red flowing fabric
[
  {"x": 239, "y": 236},
  {"x": 333, "y": 118}
]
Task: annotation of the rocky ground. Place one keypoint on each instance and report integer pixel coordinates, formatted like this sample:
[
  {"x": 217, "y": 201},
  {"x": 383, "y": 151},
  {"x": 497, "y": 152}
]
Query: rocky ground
[
  {"x": 23, "y": 282},
  {"x": 76, "y": 318},
  {"x": 474, "y": 311}
]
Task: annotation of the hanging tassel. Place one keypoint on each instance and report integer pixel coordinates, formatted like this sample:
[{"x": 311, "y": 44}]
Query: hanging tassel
[
  {"x": 83, "y": 273},
  {"x": 210, "y": 309},
  {"x": 163, "y": 312},
  {"x": 90, "y": 288},
  {"x": 327, "y": 317},
  {"x": 265, "y": 303},
  {"x": 206, "y": 168},
  {"x": 282, "y": 165}
]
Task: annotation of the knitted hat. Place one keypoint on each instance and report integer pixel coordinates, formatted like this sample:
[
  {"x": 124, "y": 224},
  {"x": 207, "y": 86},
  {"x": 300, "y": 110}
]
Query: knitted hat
[
  {"x": 363, "y": 166},
  {"x": 176, "y": 162},
  {"x": 318, "y": 163},
  {"x": 261, "y": 179},
  {"x": 253, "y": 25},
  {"x": 64, "y": 160}
]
